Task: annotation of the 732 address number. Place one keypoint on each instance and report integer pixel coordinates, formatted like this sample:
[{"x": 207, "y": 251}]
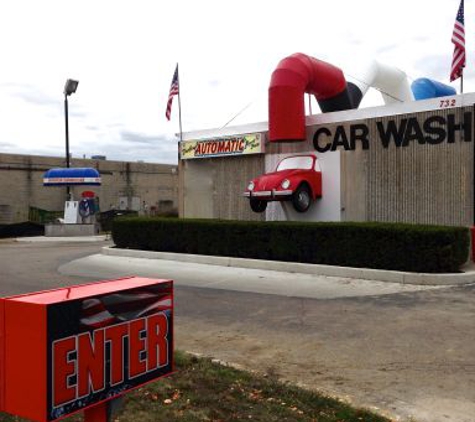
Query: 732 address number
[{"x": 447, "y": 103}]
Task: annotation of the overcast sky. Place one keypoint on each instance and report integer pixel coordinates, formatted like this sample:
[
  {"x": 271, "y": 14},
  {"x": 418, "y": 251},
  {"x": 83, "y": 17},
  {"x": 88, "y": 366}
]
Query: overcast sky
[{"x": 124, "y": 53}]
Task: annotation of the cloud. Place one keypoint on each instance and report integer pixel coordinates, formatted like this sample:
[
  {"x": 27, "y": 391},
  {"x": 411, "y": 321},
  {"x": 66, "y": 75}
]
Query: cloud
[
  {"x": 31, "y": 94},
  {"x": 137, "y": 138},
  {"x": 434, "y": 67},
  {"x": 130, "y": 145},
  {"x": 166, "y": 154},
  {"x": 139, "y": 142},
  {"x": 217, "y": 81},
  {"x": 421, "y": 39},
  {"x": 36, "y": 96},
  {"x": 387, "y": 49},
  {"x": 76, "y": 113},
  {"x": 214, "y": 83},
  {"x": 6, "y": 145}
]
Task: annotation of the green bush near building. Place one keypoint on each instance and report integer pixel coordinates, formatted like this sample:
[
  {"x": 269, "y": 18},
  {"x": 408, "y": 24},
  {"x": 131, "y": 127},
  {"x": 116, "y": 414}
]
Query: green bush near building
[
  {"x": 21, "y": 230},
  {"x": 391, "y": 246}
]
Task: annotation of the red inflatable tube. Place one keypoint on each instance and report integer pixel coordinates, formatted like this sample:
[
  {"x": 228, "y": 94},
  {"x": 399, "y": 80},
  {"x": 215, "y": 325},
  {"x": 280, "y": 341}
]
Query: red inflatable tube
[{"x": 294, "y": 76}]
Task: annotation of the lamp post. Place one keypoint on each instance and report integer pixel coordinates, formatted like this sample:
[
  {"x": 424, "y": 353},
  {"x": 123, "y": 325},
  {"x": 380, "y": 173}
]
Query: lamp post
[{"x": 69, "y": 88}]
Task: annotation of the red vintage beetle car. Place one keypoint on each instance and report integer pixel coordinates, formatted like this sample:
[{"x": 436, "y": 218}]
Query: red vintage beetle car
[{"x": 297, "y": 178}]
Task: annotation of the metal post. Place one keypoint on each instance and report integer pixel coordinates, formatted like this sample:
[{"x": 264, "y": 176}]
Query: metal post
[
  {"x": 180, "y": 163},
  {"x": 472, "y": 228},
  {"x": 179, "y": 104},
  {"x": 66, "y": 125},
  {"x": 97, "y": 413},
  {"x": 104, "y": 412}
]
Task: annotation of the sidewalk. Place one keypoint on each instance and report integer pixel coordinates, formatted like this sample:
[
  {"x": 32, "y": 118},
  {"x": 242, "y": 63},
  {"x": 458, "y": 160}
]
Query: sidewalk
[
  {"x": 255, "y": 276},
  {"x": 99, "y": 238},
  {"x": 468, "y": 276}
]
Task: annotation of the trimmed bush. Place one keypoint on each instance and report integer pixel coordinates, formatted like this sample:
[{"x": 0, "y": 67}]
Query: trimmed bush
[
  {"x": 21, "y": 229},
  {"x": 105, "y": 218},
  {"x": 392, "y": 246}
]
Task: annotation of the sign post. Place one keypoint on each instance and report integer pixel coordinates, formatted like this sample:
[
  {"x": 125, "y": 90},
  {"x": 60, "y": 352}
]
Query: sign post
[
  {"x": 76, "y": 348},
  {"x": 97, "y": 413}
]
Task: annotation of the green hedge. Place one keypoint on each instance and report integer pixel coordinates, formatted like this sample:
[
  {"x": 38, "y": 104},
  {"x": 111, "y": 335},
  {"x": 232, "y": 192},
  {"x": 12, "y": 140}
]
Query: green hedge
[
  {"x": 403, "y": 247},
  {"x": 21, "y": 230}
]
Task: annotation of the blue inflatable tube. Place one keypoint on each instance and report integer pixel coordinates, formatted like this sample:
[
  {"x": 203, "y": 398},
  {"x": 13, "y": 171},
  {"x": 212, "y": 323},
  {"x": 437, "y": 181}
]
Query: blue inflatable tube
[{"x": 425, "y": 88}]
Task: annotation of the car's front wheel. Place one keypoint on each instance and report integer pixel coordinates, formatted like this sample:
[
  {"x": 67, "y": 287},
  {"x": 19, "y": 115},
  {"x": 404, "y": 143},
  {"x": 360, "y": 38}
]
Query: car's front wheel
[
  {"x": 302, "y": 198},
  {"x": 258, "y": 205}
]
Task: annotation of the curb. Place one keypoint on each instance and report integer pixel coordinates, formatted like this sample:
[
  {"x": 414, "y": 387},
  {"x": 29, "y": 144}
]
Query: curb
[
  {"x": 466, "y": 277},
  {"x": 97, "y": 238}
]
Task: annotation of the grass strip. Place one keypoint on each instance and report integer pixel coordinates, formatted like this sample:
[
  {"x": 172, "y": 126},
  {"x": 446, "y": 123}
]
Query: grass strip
[{"x": 203, "y": 390}]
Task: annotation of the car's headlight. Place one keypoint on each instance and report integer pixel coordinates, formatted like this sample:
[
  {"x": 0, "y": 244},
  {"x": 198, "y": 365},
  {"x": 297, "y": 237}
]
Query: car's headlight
[
  {"x": 285, "y": 184},
  {"x": 250, "y": 186}
]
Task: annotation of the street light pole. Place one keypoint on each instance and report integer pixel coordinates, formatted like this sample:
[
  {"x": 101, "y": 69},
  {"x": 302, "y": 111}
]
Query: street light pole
[
  {"x": 69, "y": 88},
  {"x": 66, "y": 125}
]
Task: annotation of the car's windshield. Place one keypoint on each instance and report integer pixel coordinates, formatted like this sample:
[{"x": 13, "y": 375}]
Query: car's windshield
[{"x": 304, "y": 163}]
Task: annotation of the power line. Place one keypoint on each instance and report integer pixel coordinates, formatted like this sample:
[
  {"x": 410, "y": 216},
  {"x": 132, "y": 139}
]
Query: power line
[{"x": 238, "y": 114}]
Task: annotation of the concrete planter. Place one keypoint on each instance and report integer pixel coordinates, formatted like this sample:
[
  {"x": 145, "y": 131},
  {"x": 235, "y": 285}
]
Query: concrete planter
[{"x": 67, "y": 230}]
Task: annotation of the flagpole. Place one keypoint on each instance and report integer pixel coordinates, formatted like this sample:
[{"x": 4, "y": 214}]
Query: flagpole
[
  {"x": 458, "y": 39},
  {"x": 181, "y": 198},
  {"x": 179, "y": 104}
]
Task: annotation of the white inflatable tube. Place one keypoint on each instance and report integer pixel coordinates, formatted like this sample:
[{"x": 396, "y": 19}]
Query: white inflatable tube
[{"x": 390, "y": 81}]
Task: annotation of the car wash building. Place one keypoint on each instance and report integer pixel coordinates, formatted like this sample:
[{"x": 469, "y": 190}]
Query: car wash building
[{"x": 407, "y": 161}]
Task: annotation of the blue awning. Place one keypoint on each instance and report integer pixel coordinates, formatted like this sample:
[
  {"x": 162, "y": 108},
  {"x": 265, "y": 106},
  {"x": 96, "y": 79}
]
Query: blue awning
[{"x": 86, "y": 176}]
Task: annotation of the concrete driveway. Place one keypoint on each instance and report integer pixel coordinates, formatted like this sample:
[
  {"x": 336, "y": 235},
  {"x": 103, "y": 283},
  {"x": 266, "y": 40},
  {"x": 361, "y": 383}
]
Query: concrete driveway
[{"x": 407, "y": 351}]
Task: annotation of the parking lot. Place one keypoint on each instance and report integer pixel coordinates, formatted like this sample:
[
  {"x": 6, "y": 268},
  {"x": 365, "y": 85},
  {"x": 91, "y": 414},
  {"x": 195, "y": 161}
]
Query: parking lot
[{"x": 406, "y": 351}]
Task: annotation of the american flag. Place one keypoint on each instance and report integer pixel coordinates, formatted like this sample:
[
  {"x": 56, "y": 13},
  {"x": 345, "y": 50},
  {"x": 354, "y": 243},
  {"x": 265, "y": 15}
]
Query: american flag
[
  {"x": 174, "y": 90},
  {"x": 119, "y": 307},
  {"x": 458, "y": 38}
]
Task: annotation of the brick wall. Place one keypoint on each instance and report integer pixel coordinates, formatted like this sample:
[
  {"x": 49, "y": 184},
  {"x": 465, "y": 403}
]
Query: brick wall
[{"x": 151, "y": 187}]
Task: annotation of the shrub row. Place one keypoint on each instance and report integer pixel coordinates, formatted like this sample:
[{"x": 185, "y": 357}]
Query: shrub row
[
  {"x": 403, "y": 247},
  {"x": 21, "y": 230}
]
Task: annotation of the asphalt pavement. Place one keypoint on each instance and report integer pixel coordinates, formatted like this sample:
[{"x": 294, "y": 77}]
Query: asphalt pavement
[{"x": 405, "y": 350}]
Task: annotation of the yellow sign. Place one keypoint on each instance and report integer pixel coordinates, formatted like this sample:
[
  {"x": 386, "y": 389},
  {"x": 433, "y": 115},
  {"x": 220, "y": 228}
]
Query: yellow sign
[{"x": 221, "y": 147}]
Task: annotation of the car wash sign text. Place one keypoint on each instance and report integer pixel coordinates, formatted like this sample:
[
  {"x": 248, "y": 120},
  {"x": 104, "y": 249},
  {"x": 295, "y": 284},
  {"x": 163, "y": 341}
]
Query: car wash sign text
[
  {"x": 394, "y": 132},
  {"x": 224, "y": 146}
]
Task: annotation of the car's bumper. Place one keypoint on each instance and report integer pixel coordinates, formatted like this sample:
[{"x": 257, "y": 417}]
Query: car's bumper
[{"x": 269, "y": 195}]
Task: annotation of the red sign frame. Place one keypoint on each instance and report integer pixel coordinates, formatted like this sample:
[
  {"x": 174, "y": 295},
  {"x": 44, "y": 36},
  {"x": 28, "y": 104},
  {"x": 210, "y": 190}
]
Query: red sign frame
[{"x": 70, "y": 349}]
